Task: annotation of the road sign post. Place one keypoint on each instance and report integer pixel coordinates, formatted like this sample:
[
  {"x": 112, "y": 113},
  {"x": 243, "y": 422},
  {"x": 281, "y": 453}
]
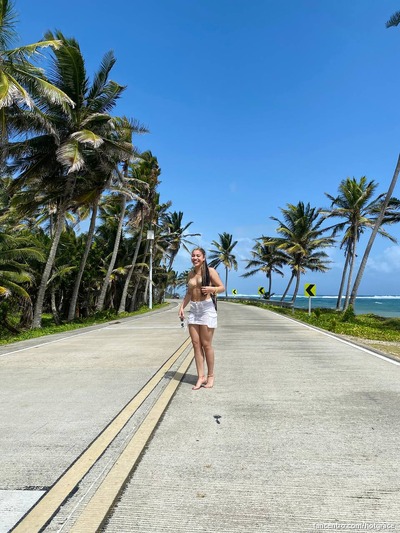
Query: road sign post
[{"x": 310, "y": 290}]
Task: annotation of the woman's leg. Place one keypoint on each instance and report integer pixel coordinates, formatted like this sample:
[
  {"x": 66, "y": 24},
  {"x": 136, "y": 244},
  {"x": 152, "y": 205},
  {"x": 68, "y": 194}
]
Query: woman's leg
[
  {"x": 194, "y": 331},
  {"x": 206, "y": 337}
]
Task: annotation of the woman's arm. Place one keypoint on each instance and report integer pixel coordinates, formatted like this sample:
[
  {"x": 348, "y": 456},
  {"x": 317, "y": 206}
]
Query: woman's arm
[
  {"x": 217, "y": 285},
  {"x": 186, "y": 300}
]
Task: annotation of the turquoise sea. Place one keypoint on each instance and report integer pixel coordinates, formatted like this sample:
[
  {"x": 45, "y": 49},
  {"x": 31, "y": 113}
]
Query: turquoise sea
[{"x": 387, "y": 306}]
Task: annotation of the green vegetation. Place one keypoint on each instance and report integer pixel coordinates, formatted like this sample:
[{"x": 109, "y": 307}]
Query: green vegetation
[
  {"x": 49, "y": 326},
  {"x": 372, "y": 327}
]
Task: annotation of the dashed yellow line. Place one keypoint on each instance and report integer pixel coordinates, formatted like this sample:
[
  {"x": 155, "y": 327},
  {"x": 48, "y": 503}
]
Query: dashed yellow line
[
  {"x": 48, "y": 505},
  {"x": 103, "y": 500}
]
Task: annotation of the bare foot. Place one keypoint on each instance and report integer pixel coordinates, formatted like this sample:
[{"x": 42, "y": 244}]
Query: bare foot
[
  {"x": 210, "y": 382},
  {"x": 201, "y": 381}
]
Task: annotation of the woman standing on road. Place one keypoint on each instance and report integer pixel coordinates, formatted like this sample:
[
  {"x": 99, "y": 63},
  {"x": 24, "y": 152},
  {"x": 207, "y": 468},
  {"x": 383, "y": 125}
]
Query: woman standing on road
[{"x": 203, "y": 286}]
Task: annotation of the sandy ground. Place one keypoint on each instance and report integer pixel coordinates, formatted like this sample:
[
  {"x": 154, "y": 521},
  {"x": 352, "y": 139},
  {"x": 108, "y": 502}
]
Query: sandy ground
[{"x": 390, "y": 348}]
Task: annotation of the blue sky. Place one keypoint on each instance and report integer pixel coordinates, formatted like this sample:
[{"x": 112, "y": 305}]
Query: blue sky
[{"x": 251, "y": 104}]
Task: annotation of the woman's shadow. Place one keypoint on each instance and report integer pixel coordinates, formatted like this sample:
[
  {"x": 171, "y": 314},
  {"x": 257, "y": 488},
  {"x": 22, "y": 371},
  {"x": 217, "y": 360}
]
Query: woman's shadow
[{"x": 184, "y": 378}]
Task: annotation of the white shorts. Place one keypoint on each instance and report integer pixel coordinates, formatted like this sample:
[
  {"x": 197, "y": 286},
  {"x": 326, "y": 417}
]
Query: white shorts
[{"x": 203, "y": 314}]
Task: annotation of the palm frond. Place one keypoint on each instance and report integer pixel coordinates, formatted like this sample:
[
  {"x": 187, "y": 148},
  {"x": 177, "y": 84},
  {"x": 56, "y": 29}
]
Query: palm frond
[
  {"x": 88, "y": 137},
  {"x": 394, "y": 20},
  {"x": 69, "y": 156}
]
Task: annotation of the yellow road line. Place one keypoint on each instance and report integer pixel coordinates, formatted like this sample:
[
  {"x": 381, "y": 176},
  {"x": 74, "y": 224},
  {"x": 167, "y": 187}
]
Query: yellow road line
[
  {"x": 48, "y": 505},
  {"x": 103, "y": 500}
]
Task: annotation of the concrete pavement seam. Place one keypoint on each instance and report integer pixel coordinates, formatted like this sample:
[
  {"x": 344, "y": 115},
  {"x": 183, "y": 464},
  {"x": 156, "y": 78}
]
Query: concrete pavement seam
[{"x": 99, "y": 507}]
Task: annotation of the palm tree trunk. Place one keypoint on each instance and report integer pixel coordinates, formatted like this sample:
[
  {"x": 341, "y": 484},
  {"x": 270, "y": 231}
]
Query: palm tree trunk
[
  {"x": 37, "y": 315},
  {"x": 226, "y": 282},
  {"x": 288, "y": 287},
  {"x": 146, "y": 290},
  {"x": 54, "y": 310},
  {"x": 89, "y": 240},
  {"x": 373, "y": 234},
  {"x": 339, "y": 298},
  {"x": 134, "y": 295},
  {"x": 26, "y": 313},
  {"x": 102, "y": 297},
  {"x": 269, "y": 277},
  {"x": 122, "y": 304},
  {"x": 351, "y": 270},
  {"x": 296, "y": 289}
]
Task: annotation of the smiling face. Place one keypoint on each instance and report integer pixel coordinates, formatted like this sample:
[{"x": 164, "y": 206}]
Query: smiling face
[{"x": 198, "y": 258}]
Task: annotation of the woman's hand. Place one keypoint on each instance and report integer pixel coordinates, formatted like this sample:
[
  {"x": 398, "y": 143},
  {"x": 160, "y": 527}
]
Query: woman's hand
[
  {"x": 181, "y": 313},
  {"x": 207, "y": 290}
]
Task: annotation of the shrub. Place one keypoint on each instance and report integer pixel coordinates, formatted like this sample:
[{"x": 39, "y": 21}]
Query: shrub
[{"x": 348, "y": 315}]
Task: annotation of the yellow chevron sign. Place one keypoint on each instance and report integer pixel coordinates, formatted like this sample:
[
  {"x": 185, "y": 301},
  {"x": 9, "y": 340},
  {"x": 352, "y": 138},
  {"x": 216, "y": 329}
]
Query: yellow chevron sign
[
  {"x": 234, "y": 291},
  {"x": 261, "y": 290},
  {"x": 310, "y": 289}
]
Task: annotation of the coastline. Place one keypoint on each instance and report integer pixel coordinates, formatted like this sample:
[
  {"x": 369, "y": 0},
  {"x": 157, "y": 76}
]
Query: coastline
[{"x": 387, "y": 306}]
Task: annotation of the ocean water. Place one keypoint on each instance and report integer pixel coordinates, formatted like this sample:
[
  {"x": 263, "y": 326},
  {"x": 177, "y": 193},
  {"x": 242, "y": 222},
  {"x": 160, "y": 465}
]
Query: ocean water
[{"x": 387, "y": 306}]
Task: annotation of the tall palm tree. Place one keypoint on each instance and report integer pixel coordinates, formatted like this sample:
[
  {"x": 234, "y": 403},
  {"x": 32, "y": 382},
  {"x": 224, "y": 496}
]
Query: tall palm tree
[
  {"x": 302, "y": 240},
  {"x": 222, "y": 253},
  {"x": 175, "y": 234},
  {"x": 267, "y": 259},
  {"x": 112, "y": 215},
  {"x": 105, "y": 177},
  {"x": 145, "y": 180},
  {"x": 58, "y": 167},
  {"x": 383, "y": 214},
  {"x": 356, "y": 206},
  {"x": 148, "y": 213},
  {"x": 122, "y": 184}
]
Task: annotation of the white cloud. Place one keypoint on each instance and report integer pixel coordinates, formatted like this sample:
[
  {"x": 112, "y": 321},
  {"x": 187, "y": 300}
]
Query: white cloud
[{"x": 387, "y": 263}]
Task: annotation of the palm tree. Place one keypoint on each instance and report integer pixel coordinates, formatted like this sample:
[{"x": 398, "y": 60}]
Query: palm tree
[
  {"x": 175, "y": 234},
  {"x": 223, "y": 254},
  {"x": 107, "y": 176},
  {"x": 112, "y": 216},
  {"x": 120, "y": 184},
  {"x": 358, "y": 209},
  {"x": 21, "y": 83},
  {"x": 182, "y": 278},
  {"x": 383, "y": 214},
  {"x": 302, "y": 240},
  {"x": 148, "y": 213},
  {"x": 172, "y": 281},
  {"x": 145, "y": 180},
  {"x": 267, "y": 259},
  {"x": 58, "y": 168}
]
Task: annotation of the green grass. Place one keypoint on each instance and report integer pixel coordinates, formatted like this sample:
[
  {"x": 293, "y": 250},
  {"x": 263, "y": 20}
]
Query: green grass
[
  {"x": 49, "y": 327},
  {"x": 368, "y": 326}
]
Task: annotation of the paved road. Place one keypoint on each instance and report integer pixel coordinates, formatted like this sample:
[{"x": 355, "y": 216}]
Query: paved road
[
  {"x": 58, "y": 393},
  {"x": 299, "y": 434}
]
